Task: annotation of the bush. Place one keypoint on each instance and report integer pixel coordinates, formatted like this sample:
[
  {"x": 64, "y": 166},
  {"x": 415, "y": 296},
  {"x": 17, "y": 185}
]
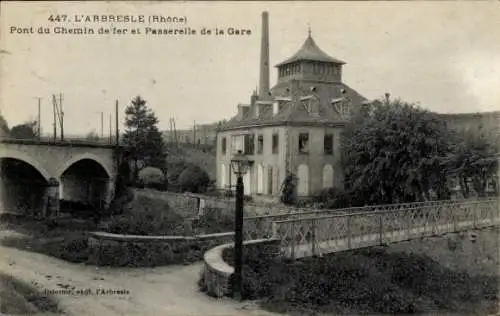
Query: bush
[
  {"x": 149, "y": 218},
  {"x": 214, "y": 222},
  {"x": 152, "y": 178},
  {"x": 194, "y": 179},
  {"x": 289, "y": 190},
  {"x": 332, "y": 198}
]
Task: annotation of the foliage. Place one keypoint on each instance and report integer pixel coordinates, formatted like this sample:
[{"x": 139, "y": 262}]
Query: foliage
[
  {"x": 396, "y": 152},
  {"x": 194, "y": 179},
  {"x": 150, "y": 217},
  {"x": 26, "y": 130},
  {"x": 288, "y": 190},
  {"x": 332, "y": 198},
  {"x": 369, "y": 281},
  {"x": 214, "y": 221},
  {"x": 220, "y": 125},
  {"x": 20, "y": 298},
  {"x": 4, "y": 126},
  {"x": 122, "y": 195},
  {"x": 142, "y": 136},
  {"x": 153, "y": 178},
  {"x": 475, "y": 159},
  {"x": 92, "y": 136}
]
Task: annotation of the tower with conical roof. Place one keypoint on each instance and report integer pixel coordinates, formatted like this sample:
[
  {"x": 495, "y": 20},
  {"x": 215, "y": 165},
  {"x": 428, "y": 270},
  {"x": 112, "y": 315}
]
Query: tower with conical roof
[
  {"x": 293, "y": 127},
  {"x": 310, "y": 63}
]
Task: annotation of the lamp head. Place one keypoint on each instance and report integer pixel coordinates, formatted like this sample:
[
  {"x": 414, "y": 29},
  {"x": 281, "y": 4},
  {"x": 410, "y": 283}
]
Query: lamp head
[{"x": 240, "y": 163}]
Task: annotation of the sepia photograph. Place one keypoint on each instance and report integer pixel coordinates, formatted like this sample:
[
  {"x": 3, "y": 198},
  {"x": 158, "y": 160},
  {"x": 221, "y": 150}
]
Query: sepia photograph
[{"x": 249, "y": 158}]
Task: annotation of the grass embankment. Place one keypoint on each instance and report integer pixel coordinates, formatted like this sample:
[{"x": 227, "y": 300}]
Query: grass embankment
[
  {"x": 439, "y": 275},
  {"x": 68, "y": 240},
  {"x": 19, "y": 298}
]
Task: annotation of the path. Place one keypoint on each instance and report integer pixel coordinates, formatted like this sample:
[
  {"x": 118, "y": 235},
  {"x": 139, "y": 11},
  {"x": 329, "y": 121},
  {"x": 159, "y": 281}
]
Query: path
[{"x": 153, "y": 291}]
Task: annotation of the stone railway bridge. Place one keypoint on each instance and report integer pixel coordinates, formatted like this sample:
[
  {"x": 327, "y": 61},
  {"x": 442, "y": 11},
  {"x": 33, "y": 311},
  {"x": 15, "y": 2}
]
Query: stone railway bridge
[{"x": 36, "y": 174}]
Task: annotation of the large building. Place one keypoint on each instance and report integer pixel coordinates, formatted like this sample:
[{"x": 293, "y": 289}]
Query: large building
[
  {"x": 293, "y": 127},
  {"x": 483, "y": 124}
]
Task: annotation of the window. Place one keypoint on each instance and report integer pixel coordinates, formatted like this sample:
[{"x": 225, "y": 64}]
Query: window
[
  {"x": 275, "y": 143},
  {"x": 303, "y": 143},
  {"x": 260, "y": 144},
  {"x": 223, "y": 145},
  {"x": 249, "y": 144},
  {"x": 328, "y": 144}
]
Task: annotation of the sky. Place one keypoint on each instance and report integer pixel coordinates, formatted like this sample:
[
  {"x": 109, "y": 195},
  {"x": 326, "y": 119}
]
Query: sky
[{"x": 443, "y": 55}]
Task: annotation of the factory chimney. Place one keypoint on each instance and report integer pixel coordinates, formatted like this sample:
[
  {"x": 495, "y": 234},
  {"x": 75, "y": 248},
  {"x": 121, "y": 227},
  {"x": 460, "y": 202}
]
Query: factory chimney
[{"x": 264, "y": 58}]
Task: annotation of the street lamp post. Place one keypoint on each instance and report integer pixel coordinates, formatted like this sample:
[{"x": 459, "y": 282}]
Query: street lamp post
[{"x": 239, "y": 164}]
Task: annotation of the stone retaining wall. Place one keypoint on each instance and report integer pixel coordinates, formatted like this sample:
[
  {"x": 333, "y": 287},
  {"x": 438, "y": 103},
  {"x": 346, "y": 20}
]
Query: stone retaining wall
[
  {"x": 126, "y": 250},
  {"x": 187, "y": 204},
  {"x": 217, "y": 272}
]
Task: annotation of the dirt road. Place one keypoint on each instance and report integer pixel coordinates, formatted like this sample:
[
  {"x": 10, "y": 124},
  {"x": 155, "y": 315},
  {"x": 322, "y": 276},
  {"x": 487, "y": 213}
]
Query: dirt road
[{"x": 168, "y": 291}]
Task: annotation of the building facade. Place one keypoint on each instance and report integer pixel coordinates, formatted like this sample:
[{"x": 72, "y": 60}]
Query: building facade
[
  {"x": 202, "y": 134},
  {"x": 291, "y": 128}
]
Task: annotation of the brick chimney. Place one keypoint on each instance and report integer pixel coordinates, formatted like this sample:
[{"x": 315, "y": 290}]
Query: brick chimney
[{"x": 264, "y": 58}]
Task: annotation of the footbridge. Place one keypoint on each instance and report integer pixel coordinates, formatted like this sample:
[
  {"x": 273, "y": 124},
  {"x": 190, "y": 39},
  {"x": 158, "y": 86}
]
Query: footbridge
[{"x": 315, "y": 233}]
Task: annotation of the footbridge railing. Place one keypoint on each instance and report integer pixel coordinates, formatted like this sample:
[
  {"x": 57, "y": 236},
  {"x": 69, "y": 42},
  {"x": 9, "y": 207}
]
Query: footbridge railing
[
  {"x": 317, "y": 235},
  {"x": 257, "y": 227}
]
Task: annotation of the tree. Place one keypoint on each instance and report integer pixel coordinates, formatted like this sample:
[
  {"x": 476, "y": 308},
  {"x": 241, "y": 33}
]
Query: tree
[
  {"x": 194, "y": 179},
  {"x": 395, "y": 152},
  {"x": 24, "y": 131},
  {"x": 475, "y": 163},
  {"x": 288, "y": 190},
  {"x": 4, "y": 127},
  {"x": 220, "y": 125},
  {"x": 92, "y": 136},
  {"x": 143, "y": 137}
]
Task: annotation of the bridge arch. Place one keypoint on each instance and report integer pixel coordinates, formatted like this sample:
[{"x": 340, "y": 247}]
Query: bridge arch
[
  {"x": 86, "y": 156},
  {"x": 85, "y": 183},
  {"x": 23, "y": 183},
  {"x": 17, "y": 155}
]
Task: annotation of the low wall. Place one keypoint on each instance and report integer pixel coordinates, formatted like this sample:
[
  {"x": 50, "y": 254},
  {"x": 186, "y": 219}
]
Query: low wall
[
  {"x": 187, "y": 204},
  {"x": 133, "y": 250},
  {"x": 217, "y": 272}
]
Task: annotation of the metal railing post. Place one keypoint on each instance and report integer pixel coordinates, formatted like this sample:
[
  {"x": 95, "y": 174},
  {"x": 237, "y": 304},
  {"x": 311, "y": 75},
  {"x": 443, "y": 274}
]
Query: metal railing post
[
  {"x": 274, "y": 227},
  {"x": 381, "y": 227},
  {"x": 349, "y": 232},
  {"x": 474, "y": 218},
  {"x": 293, "y": 240},
  {"x": 409, "y": 224},
  {"x": 313, "y": 227}
]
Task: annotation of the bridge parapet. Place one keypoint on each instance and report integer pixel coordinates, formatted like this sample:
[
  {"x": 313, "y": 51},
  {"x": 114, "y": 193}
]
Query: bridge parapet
[
  {"x": 318, "y": 235},
  {"x": 71, "y": 141}
]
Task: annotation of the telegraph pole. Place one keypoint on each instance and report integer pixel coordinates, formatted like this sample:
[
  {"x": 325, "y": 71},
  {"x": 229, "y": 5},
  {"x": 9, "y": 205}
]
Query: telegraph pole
[
  {"x": 61, "y": 118},
  {"x": 116, "y": 124},
  {"x": 39, "y": 118},
  {"x": 55, "y": 116},
  {"x": 194, "y": 134},
  {"x": 171, "y": 135},
  {"x": 110, "y": 130},
  {"x": 102, "y": 124}
]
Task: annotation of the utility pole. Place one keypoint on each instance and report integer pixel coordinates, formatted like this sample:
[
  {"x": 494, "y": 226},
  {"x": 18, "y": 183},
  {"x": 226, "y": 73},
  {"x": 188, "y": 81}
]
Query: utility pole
[
  {"x": 102, "y": 124},
  {"x": 175, "y": 132},
  {"x": 110, "y": 130},
  {"x": 194, "y": 134},
  {"x": 170, "y": 126},
  {"x": 54, "y": 109},
  {"x": 117, "y": 131},
  {"x": 61, "y": 119},
  {"x": 39, "y": 118}
]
